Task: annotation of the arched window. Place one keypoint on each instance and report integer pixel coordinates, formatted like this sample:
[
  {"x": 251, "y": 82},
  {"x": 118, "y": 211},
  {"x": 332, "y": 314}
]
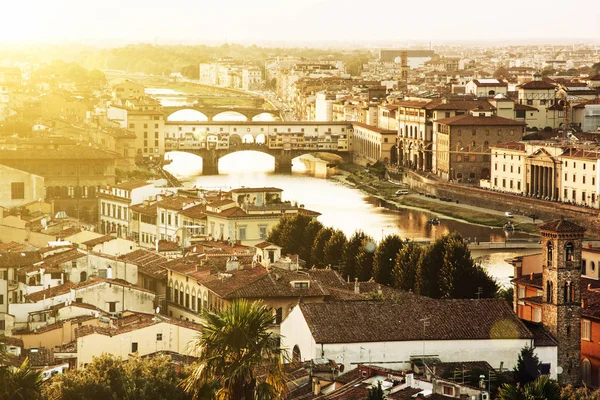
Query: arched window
[
  {"x": 586, "y": 371},
  {"x": 567, "y": 292},
  {"x": 549, "y": 248},
  {"x": 83, "y": 276},
  {"x": 548, "y": 292},
  {"x": 296, "y": 356},
  {"x": 569, "y": 251}
]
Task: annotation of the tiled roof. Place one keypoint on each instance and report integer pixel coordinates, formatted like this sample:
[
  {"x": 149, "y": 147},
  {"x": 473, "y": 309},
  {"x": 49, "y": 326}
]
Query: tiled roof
[
  {"x": 98, "y": 240},
  {"x": 132, "y": 184},
  {"x": 19, "y": 259},
  {"x": 370, "y": 321},
  {"x": 278, "y": 283},
  {"x": 517, "y": 146},
  {"x": 264, "y": 245},
  {"x": 61, "y": 153},
  {"x": 307, "y": 212},
  {"x": 166, "y": 245},
  {"x": 537, "y": 85},
  {"x": 62, "y": 257},
  {"x": 462, "y": 105},
  {"x": 145, "y": 209},
  {"x": 195, "y": 212},
  {"x": 541, "y": 336},
  {"x": 471, "y": 120},
  {"x": 490, "y": 84},
  {"x": 223, "y": 285},
  {"x": 176, "y": 202},
  {"x": 562, "y": 226},
  {"x": 590, "y": 296},
  {"x": 253, "y": 190},
  {"x": 67, "y": 286},
  {"x": 374, "y": 128},
  {"x": 533, "y": 280},
  {"x": 148, "y": 263},
  {"x": 220, "y": 203}
]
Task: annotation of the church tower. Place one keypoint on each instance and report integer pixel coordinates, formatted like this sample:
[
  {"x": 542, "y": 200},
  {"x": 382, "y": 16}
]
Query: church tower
[{"x": 561, "y": 310}]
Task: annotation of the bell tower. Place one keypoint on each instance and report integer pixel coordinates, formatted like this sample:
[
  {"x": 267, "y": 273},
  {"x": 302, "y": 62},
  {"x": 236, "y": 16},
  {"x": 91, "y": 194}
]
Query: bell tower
[{"x": 561, "y": 279}]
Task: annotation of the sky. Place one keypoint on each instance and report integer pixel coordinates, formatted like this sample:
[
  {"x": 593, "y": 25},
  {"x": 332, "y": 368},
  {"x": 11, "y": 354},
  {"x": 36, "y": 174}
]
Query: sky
[{"x": 297, "y": 21}]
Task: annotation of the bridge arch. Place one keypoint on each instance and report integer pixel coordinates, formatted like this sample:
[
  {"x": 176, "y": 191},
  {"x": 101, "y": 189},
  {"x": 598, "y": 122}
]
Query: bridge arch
[
  {"x": 260, "y": 138},
  {"x": 266, "y": 116},
  {"x": 229, "y": 116},
  {"x": 247, "y": 138},
  {"x": 187, "y": 114}
]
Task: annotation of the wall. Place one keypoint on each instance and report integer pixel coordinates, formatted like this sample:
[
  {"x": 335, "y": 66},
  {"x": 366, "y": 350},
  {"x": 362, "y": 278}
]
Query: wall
[
  {"x": 295, "y": 331},
  {"x": 174, "y": 338},
  {"x": 33, "y": 186}
]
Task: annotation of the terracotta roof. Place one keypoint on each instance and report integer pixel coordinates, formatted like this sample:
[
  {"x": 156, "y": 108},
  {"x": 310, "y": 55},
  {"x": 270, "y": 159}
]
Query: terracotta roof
[
  {"x": 67, "y": 286},
  {"x": 133, "y": 184},
  {"x": 222, "y": 284},
  {"x": 195, "y": 212},
  {"x": 490, "y": 84},
  {"x": 471, "y": 120},
  {"x": 370, "y": 321},
  {"x": 234, "y": 212},
  {"x": 595, "y": 78},
  {"x": 578, "y": 153},
  {"x": 64, "y": 152},
  {"x": 413, "y": 103},
  {"x": 98, "y": 240},
  {"x": 375, "y": 128},
  {"x": 264, "y": 245},
  {"x": 278, "y": 283},
  {"x": 166, "y": 245},
  {"x": 541, "y": 336},
  {"x": 143, "y": 208},
  {"x": 252, "y": 190},
  {"x": 176, "y": 202},
  {"x": 19, "y": 259},
  {"x": 524, "y": 107},
  {"x": 137, "y": 321},
  {"x": 562, "y": 226},
  {"x": 220, "y": 203},
  {"x": 537, "y": 85},
  {"x": 462, "y": 105},
  {"x": 148, "y": 263},
  {"x": 62, "y": 257},
  {"x": 515, "y": 146},
  {"x": 307, "y": 212},
  {"x": 533, "y": 280}
]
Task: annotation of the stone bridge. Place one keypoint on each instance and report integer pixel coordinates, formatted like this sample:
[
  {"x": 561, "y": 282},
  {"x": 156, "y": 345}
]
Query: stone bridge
[
  {"x": 283, "y": 157},
  {"x": 212, "y": 112}
]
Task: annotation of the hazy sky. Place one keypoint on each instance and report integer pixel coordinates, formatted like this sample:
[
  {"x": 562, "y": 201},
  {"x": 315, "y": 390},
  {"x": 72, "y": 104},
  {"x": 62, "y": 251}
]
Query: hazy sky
[{"x": 247, "y": 21}]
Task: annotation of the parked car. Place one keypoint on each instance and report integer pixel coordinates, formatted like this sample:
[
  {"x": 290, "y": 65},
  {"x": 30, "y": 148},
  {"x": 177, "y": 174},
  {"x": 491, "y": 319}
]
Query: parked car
[
  {"x": 400, "y": 192},
  {"x": 508, "y": 214}
]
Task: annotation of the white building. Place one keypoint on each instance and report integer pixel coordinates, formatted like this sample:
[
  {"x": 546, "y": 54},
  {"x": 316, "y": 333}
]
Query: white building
[{"x": 391, "y": 333}]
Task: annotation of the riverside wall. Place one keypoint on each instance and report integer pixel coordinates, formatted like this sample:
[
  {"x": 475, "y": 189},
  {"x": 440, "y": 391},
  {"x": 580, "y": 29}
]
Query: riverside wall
[{"x": 545, "y": 210}]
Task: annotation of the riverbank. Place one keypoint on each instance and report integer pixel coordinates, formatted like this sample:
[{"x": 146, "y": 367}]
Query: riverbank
[{"x": 361, "y": 178}]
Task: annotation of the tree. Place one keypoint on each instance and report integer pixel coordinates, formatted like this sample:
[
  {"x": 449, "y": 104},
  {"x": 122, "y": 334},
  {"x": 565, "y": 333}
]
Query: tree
[
  {"x": 335, "y": 248},
  {"x": 528, "y": 366},
  {"x": 364, "y": 259},
  {"x": 238, "y": 356},
  {"x": 108, "y": 377},
  {"x": 543, "y": 388},
  {"x": 428, "y": 271},
  {"x": 317, "y": 253},
  {"x": 376, "y": 392},
  {"x": 350, "y": 268},
  {"x": 385, "y": 259},
  {"x": 596, "y": 67},
  {"x": 22, "y": 383},
  {"x": 296, "y": 234},
  {"x": 460, "y": 277},
  {"x": 407, "y": 261}
]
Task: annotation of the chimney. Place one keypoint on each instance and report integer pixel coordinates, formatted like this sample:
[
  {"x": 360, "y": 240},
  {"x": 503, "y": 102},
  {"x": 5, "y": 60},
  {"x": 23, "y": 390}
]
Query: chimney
[
  {"x": 356, "y": 286},
  {"x": 316, "y": 386},
  {"x": 379, "y": 291},
  {"x": 589, "y": 245},
  {"x": 531, "y": 276}
]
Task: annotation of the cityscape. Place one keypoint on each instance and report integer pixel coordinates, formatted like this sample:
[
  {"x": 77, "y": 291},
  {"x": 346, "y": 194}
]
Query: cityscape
[{"x": 299, "y": 200}]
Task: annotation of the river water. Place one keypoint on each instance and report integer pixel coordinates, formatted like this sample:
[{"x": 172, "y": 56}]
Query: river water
[{"x": 342, "y": 206}]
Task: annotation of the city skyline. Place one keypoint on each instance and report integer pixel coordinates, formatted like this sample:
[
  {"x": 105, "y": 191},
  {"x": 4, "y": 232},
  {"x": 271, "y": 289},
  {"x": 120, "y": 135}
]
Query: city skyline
[{"x": 291, "y": 22}]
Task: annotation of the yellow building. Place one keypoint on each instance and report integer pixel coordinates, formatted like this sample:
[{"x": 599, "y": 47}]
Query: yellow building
[
  {"x": 19, "y": 187},
  {"x": 66, "y": 105},
  {"x": 580, "y": 179},
  {"x": 372, "y": 144},
  {"x": 127, "y": 90}
]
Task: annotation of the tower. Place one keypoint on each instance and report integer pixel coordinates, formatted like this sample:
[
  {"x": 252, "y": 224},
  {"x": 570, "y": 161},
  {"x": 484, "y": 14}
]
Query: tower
[
  {"x": 561, "y": 305},
  {"x": 404, "y": 68}
]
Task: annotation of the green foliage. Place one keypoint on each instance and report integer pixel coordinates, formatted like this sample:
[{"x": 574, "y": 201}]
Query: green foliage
[
  {"x": 596, "y": 67},
  {"x": 296, "y": 234},
  {"x": 235, "y": 347},
  {"x": 142, "y": 174},
  {"x": 428, "y": 270},
  {"x": 60, "y": 71},
  {"x": 385, "y": 259},
  {"x": 364, "y": 259},
  {"x": 528, "y": 366},
  {"x": 506, "y": 294},
  {"x": 376, "y": 392},
  {"x": 22, "y": 383},
  {"x": 335, "y": 249},
  {"x": 108, "y": 377},
  {"x": 317, "y": 254},
  {"x": 581, "y": 393},
  {"x": 350, "y": 269},
  {"x": 543, "y": 388},
  {"x": 407, "y": 261}
]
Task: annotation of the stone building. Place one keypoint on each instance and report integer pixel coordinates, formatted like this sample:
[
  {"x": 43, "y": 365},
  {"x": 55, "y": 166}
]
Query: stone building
[{"x": 462, "y": 143}]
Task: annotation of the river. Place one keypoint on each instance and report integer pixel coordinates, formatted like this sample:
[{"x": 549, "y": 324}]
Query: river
[{"x": 342, "y": 206}]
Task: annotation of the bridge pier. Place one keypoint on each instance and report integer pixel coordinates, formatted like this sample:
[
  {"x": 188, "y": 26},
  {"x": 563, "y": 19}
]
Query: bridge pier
[
  {"x": 210, "y": 163},
  {"x": 283, "y": 163}
]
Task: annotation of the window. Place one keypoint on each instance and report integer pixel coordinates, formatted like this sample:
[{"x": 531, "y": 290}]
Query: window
[
  {"x": 134, "y": 347},
  {"x": 17, "y": 190},
  {"x": 112, "y": 306},
  {"x": 583, "y": 266},
  {"x": 1, "y": 299},
  {"x": 301, "y": 285},
  {"x": 521, "y": 292},
  {"x": 448, "y": 391},
  {"x": 583, "y": 179},
  {"x": 159, "y": 337},
  {"x": 2, "y": 325},
  {"x": 586, "y": 329}
]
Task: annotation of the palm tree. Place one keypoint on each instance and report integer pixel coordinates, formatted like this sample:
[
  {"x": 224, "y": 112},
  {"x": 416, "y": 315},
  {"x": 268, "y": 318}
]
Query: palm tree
[
  {"x": 238, "y": 357},
  {"x": 23, "y": 383},
  {"x": 543, "y": 388}
]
